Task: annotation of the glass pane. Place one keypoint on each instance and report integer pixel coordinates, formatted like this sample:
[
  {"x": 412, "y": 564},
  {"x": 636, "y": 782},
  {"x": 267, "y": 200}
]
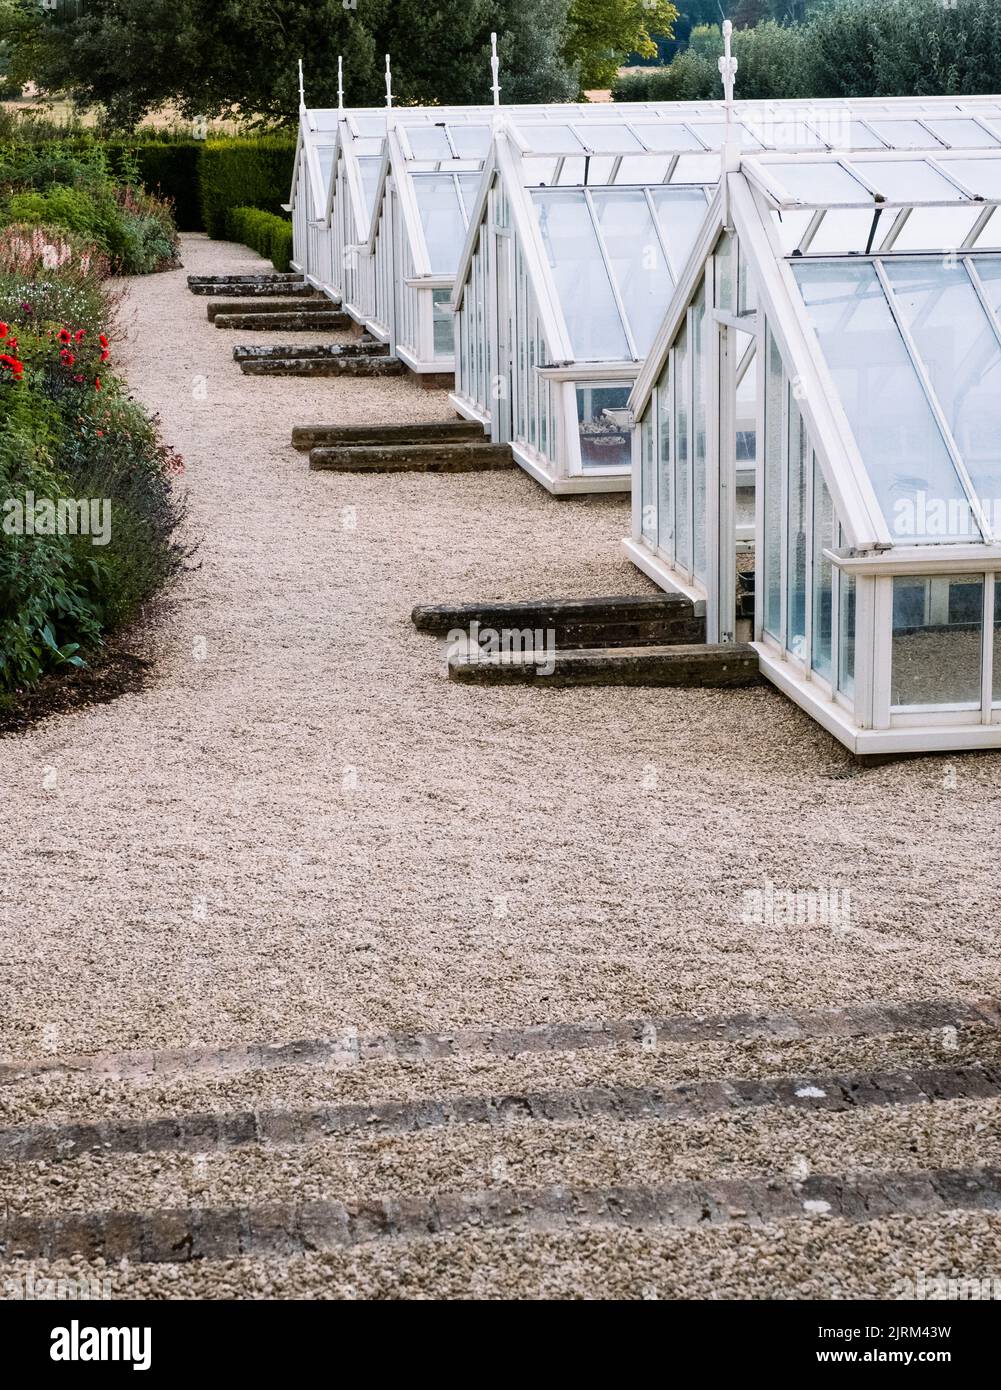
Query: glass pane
[
  {"x": 699, "y": 432},
  {"x": 580, "y": 277},
  {"x": 963, "y": 133},
  {"x": 550, "y": 139},
  {"x": 726, "y": 276},
  {"x": 846, "y": 635},
  {"x": 981, "y": 176},
  {"x": 823, "y": 539},
  {"x": 667, "y": 138},
  {"x": 819, "y": 183},
  {"x": 369, "y": 170},
  {"x": 937, "y": 632},
  {"x": 325, "y": 154},
  {"x": 902, "y": 180},
  {"x": 444, "y": 228},
  {"x": 682, "y": 455},
  {"x": 862, "y": 138},
  {"x": 604, "y": 444},
  {"x": 713, "y": 134},
  {"x": 903, "y": 135},
  {"x": 791, "y": 225},
  {"x": 696, "y": 168},
  {"x": 441, "y": 315},
  {"x": 844, "y": 229},
  {"x": 429, "y": 142},
  {"x": 471, "y": 141},
  {"x": 936, "y": 229},
  {"x": 680, "y": 213},
  {"x": 637, "y": 259},
  {"x": 648, "y": 477},
  {"x": 469, "y": 187},
  {"x": 799, "y": 455},
  {"x": 774, "y": 394},
  {"x": 609, "y": 139},
  {"x": 665, "y": 469},
  {"x": 639, "y": 168},
  {"x": 895, "y": 430},
  {"x": 961, "y": 355}
]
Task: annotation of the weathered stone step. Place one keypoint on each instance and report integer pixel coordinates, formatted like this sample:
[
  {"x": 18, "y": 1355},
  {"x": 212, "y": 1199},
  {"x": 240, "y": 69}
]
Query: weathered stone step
[
  {"x": 237, "y": 289},
  {"x": 289, "y": 321},
  {"x": 283, "y": 277},
  {"x": 853, "y": 1021},
  {"x": 430, "y": 432},
  {"x": 686, "y": 1102},
  {"x": 616, "y": 621},
  {"x": 279, "y": 307},
  {"x": 691, "y": 665},
  {"x": 177, "y": 1235},
  {"x": 464, "y": 457},
  {"x": 344, "y": 364},
  {"x": 266, "y": 352}
]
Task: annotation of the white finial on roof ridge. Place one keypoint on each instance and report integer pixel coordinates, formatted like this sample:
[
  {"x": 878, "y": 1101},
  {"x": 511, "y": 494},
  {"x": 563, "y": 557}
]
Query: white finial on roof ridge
[
  {"x": 729, "y": 154},
  {"x": 302, "y": 89},
  {"x": 494, "y": 69},
  {"x": 340, "y": 83},
  {"x": 389, "y": 83}
]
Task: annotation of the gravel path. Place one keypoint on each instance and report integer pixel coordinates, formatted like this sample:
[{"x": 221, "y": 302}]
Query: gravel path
[{"x": 301, "y": 827}]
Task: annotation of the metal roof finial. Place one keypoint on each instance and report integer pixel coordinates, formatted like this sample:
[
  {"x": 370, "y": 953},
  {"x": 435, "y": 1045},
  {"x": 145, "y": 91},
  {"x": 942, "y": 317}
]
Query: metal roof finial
[
  {"x": 728, "y": 155},
  {"x": 302, "y": 89},
  {"x": 340, "y": 83},
  {"x": 495, "y": 69},
  {"x": 389, "y": 83}
]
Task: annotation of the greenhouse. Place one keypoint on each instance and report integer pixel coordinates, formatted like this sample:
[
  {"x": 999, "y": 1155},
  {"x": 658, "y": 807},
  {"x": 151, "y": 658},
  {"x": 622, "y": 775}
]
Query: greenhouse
[
  {"x": 579, "y": 233},
  {"x": 868, "y": 288}
]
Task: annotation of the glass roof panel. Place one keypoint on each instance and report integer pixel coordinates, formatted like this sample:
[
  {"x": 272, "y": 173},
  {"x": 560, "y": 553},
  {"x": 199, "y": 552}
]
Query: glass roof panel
[
  {"x": 697, "y": 168},
  {"x": 981, "y": 176},
  {"x": 429, "y": 142},
  {"x": 860, "y": 137},
  {"x": 541, "y": 171},
  {"x": 777, "y": 131},
  {"x": 371, "y": 125},
  {"x": 637, "y": 258},
  {"x": 903, "y": 135},
  {"x": 643, "y": 168},
  {"x": 441, "y": 218},
  {"x": 900, "y": 443},
  {"x": 551, "y": 139},
  {"x": 937, "y": 229},
  {"x": 840, "y": 230},
  {"x": 819, "y": 182},
  {"x": 714, "y": 134},
  {"x": 963, "y": 133},
  {"x": 680, "y": 214},
  {"x": 960, "y": 351},
  {"x": 902, "y": 180},
  {"x": 607, "y": 138},
  {"x": 469, "y": 186},
  {"x": 989, "y": 270},
  {"x": 579, "y": 275},
  {"x": 325, "y": 154},
  {"x": 471, "y": 141},
  {"x": 667, "y": 138}
]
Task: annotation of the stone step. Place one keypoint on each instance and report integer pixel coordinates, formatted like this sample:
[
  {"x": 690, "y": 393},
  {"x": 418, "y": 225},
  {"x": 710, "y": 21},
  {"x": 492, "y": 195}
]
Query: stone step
[
  {"x": 178, "y": 1235},
  {"x": 430, "y": 432},
  {"x": 686, "y": 1102},
  {"x": 289, "y": 321},
  {"x": 618, "y": 620},
  {"x": 261, "y": 352},
  {"x": 290, "y": 289},
  {"x": 344, "y": 364},
  {"x": 303, "y": 304},
  {"x": 690, "y": 665},
  {"x": 284, "y": 277},
  {"x": 875, "y": 1020},
  {"x": 464, "y": 457}
]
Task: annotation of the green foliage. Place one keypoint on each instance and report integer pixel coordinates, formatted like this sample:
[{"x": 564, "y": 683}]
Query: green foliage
[
  {"x": 601, "y": 34},
  {"x": 168, "y": 169},
  {"x": 243, "y": 173},
  {"x": 263, "y": 232}
]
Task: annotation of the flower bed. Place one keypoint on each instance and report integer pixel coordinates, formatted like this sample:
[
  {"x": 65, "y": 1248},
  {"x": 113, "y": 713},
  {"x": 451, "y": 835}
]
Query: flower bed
[{"x": 88, "y": 512}]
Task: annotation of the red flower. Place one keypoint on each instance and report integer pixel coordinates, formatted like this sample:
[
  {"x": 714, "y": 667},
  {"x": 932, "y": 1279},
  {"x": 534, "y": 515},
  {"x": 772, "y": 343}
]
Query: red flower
[
  {"x": 15, "y": 366},
  {"x": 97, "y": 383},
  {"x": 102, "y": 340},
  {"x": 105, "y": 355},
  {"x": 3, "y": 330},
  {"x": 80, "y": 334},
  {"x": 64, "y": 335}
]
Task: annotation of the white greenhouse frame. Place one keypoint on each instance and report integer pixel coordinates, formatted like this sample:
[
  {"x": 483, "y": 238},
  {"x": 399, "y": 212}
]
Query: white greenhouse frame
[{"x": 888, "y": 634}]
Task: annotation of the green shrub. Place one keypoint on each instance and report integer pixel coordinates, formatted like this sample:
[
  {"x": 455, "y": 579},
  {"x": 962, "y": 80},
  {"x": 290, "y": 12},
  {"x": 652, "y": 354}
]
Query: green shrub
[
  {"x": 166, "y": 168},
  {"x": 253, "y": 173},
  {"x": 264, "y": 232},
  {"x": 132, "y": 227}
]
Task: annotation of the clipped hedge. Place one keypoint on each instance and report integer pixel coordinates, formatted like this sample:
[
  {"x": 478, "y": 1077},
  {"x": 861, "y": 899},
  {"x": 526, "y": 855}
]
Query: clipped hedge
[
  {"x": 263, "y": 232},
  {"x": 170, "y": 169},
  {"x": 243, "y": 173}
]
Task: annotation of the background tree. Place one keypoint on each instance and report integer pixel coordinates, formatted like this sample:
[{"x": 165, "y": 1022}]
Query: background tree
[{"x": 601, "y": 34}]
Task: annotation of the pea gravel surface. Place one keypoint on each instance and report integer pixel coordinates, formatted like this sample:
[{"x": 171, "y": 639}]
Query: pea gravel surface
[{"x": 300, "y": 828}]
